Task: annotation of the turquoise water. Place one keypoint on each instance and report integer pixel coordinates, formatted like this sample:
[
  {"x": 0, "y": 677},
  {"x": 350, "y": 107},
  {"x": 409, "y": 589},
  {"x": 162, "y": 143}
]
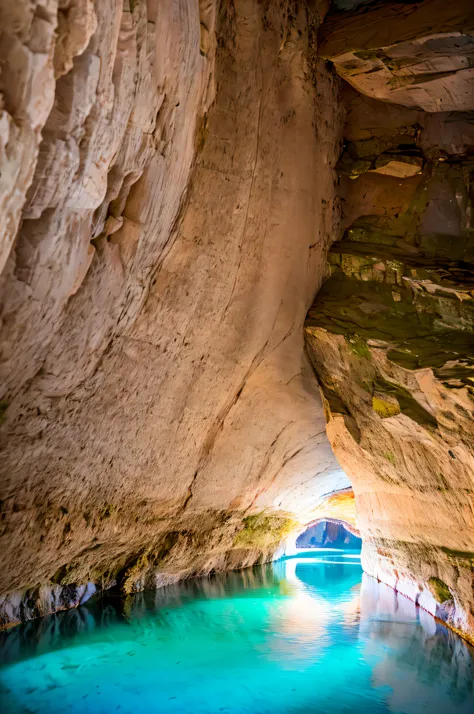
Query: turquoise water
[{"x": 306, "y": 635}]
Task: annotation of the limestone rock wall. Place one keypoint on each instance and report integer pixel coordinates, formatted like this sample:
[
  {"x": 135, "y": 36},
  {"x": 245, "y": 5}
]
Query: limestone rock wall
[
  {"x": 169, "y": 202},
  {"x": 168, "y": 199},
  {"x": 418, "y": 54},
  {"x": 391, "y": 333}
]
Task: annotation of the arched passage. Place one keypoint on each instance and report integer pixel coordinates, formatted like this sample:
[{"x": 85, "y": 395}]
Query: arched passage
[
  {"x": 338, "y": 508},
  {"x": 329, "y": 533}
]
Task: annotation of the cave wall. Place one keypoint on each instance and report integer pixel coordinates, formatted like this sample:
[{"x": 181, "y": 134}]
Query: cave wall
[
  {"x": 391, "y": 333},
  {"x": 168, "y": 195},
  {"x": 170, "y": 200}
]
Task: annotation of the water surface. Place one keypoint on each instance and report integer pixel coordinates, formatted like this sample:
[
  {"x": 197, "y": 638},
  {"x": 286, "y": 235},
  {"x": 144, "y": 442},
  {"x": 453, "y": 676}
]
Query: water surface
[{"x": 301, "y": 636}]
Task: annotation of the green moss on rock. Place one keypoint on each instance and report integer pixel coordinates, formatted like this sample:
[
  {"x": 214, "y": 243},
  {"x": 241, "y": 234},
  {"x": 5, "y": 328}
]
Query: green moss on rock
[
  {"x": 358, "y": 346},
  {"x": 462, "y": 554},
  {"x": 390, "y": 457},
  {"x": 439, "y": 590},
  {"x": 409, "y": 406},
  {"x": 134, "y": 572},
  {"x": 376, "y": 290},
  {"x": 263, "y": 531},
  {"x": 385, "y": 407}
]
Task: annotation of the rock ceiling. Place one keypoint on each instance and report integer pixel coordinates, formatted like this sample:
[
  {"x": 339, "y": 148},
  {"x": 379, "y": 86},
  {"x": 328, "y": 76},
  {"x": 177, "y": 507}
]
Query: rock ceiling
[{"x": 173, "y": 178}]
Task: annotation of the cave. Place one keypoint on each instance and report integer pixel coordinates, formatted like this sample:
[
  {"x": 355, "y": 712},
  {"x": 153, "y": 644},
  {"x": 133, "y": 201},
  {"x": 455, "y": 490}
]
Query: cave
[
  {"x": 237, "y": 284},
  {"x": 328, "y": 534}
]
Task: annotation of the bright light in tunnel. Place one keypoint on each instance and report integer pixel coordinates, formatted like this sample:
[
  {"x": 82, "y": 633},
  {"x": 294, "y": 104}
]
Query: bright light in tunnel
[{"x": 328, "y": 534}]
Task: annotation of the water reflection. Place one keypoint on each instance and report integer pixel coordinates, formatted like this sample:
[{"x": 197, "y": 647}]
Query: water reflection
[
  {"x": 416, "y": 657},
  {"x": 302, "y": 635}
]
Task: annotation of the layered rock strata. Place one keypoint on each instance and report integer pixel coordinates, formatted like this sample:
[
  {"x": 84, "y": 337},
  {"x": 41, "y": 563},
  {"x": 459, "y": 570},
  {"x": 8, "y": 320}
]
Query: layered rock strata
[
  {"x": 418, "y": 54},
  {"x": 168, "y": 198},
  {"x": 391, "y": 333},
  {"x": 167, "y": 232}
]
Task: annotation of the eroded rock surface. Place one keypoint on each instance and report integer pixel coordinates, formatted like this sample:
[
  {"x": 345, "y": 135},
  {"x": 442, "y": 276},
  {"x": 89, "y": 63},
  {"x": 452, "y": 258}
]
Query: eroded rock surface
[
  {"x": 168, "y": 197},
  {"x": 160, "y": 417},
  {"x": 419, "y": 54},
  {"x": 391, "y": 336},
  {"x": 391, "y": 333}
]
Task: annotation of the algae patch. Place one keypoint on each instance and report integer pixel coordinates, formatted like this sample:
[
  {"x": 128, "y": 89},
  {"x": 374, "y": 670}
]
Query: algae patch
[
  {"x": 384, "y": 407},
  {"x": 439, "y": 590},
  {"x": 390, "y": 457},
  {"x": 358, "y": 346},
  {"x": 263, "y": 531}
]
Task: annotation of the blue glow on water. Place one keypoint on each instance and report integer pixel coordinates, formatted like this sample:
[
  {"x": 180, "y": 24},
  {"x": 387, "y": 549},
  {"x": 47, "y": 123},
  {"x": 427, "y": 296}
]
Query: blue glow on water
[{"x": 301, "y": 636}]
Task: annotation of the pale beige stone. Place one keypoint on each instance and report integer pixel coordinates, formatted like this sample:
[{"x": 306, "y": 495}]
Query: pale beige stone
[
  {"x": 157, "y": 387},
  {"x": 168, "y": 196},
  {"x": 418, "y": 55}
]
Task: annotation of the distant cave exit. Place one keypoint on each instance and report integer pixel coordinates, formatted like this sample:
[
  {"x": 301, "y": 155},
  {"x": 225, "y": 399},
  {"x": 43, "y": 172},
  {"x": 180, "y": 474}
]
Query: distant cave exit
[{"x": 328, "y": 534}]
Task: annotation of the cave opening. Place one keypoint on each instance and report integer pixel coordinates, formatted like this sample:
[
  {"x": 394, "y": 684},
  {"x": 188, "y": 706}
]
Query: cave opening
[
  {"x": 331, "y": 533},
  {"x": 189, "y": 188}
]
